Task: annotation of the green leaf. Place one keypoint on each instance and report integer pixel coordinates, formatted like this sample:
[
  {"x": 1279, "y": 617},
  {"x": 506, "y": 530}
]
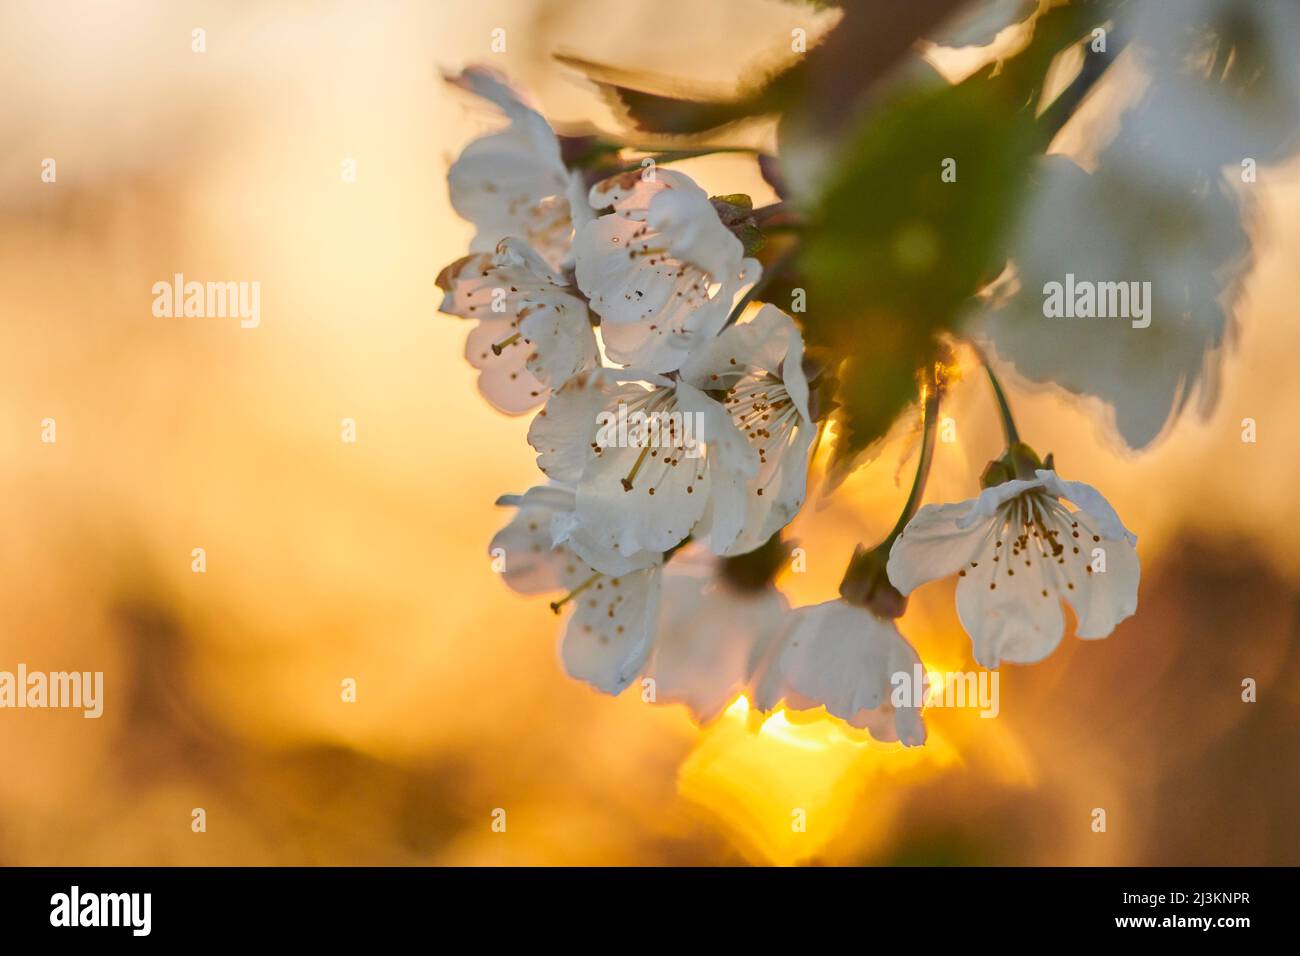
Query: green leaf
[{"x": 894, "y": 251}]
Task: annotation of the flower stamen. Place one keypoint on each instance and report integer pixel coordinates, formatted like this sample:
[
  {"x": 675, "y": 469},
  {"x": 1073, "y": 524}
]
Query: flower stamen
[
  {"x": 499, "y": 347},
  {"x": 631, "y": 475},
  {"x": 556, "y": 605}
]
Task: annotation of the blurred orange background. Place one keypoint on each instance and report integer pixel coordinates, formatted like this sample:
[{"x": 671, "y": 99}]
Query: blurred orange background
[{"x": 328, "y": 560}]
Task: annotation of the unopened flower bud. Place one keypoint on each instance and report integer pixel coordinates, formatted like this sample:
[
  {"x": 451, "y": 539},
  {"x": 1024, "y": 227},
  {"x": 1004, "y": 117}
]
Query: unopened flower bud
[{"x": 1018, "y": 461}]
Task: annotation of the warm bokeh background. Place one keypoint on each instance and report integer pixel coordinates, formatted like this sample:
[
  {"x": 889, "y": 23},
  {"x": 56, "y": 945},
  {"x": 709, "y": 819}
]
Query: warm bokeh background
[{"x": 329, "y": 560}]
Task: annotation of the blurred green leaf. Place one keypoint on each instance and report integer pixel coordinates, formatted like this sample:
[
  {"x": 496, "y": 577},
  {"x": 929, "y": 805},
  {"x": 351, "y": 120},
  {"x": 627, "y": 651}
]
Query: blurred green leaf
[{"x": 896, "y": 248}]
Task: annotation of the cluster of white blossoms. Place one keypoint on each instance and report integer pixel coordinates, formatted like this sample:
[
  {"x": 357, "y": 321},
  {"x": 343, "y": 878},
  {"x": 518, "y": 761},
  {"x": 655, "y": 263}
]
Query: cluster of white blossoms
[{"x": 622, "y": 298}]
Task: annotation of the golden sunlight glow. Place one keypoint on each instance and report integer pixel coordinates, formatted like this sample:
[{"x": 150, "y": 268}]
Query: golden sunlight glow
[{"x": 784, "y": 785}]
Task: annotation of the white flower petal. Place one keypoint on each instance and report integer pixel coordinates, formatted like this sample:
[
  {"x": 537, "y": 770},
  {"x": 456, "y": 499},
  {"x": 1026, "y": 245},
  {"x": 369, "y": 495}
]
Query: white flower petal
[
  {"x": 562, "y": 432},
  {"x": 642, "y": 499},
  {"x": 559, "y": 340},
  {"x": 991, "y": 499},
  {"x": 531, "y": 332},
  {"x": 632, "y": 191},
  {"x": 708, "y": 632},
  {"x": 521, "y": 264},
  {"x": 731, "y": 463},
  {"x": 491, "y": 85},
  {"x": 842, "y": 657},
  {"x": 796, "y": 383},
  {"x": 504, "y": 379},
  {"x": 1102, "y": 599},
  {"x": 583, "y": 543},
  {"x": 610, "y": 633},
  {"x": 694, "y": 232},
  {"x": 1014, "y": 617},
  {"x": 783, "y": 479},
  {"x": 762, "y": 342},
  {"x": 532, "y": 565},
  {"x": 555, "y": 496},
  {"x": 937, "y": 542},
  {"x": 624, "y": 286},
  {"x": 580, "y": 211},
  {"x": 1090, "y": 500},
  {"x": 653, "y": 309},
  {"x": 749, "y": 360},
  {"x": 512, "y": 182},
  {"x": 661, "y": 345},
  {"x": 661, "y": 270},
  {"x": 646, "y": 489}
]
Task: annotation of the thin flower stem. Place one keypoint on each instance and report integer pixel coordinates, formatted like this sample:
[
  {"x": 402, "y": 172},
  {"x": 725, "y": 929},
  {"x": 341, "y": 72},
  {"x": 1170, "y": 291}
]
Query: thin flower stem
[
  {"x": 1004, "y": 409},
  {"x": 778, "y": 216},
  {"x": 929, "y": 423}
]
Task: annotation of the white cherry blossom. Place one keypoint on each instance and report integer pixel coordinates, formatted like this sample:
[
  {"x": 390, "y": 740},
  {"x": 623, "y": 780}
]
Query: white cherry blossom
[
  {"x": 1018, "y": 551},
  {"x": 711, "y": 633},
  {"x": 1146, "y": 370},
  {"x": 611, "y": 629},
  {"x": 759, "y": 364},
  {"x": 646, "y": 495},
  {"x": 1224, "y": 80},
  {"x": 1220, "y": 85},
  {"x": 531, "y": 334},
  {"x": 661, "y": 270},
  {"x": 514, "y": 182},
  {"x": 842, "y": 657}
]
